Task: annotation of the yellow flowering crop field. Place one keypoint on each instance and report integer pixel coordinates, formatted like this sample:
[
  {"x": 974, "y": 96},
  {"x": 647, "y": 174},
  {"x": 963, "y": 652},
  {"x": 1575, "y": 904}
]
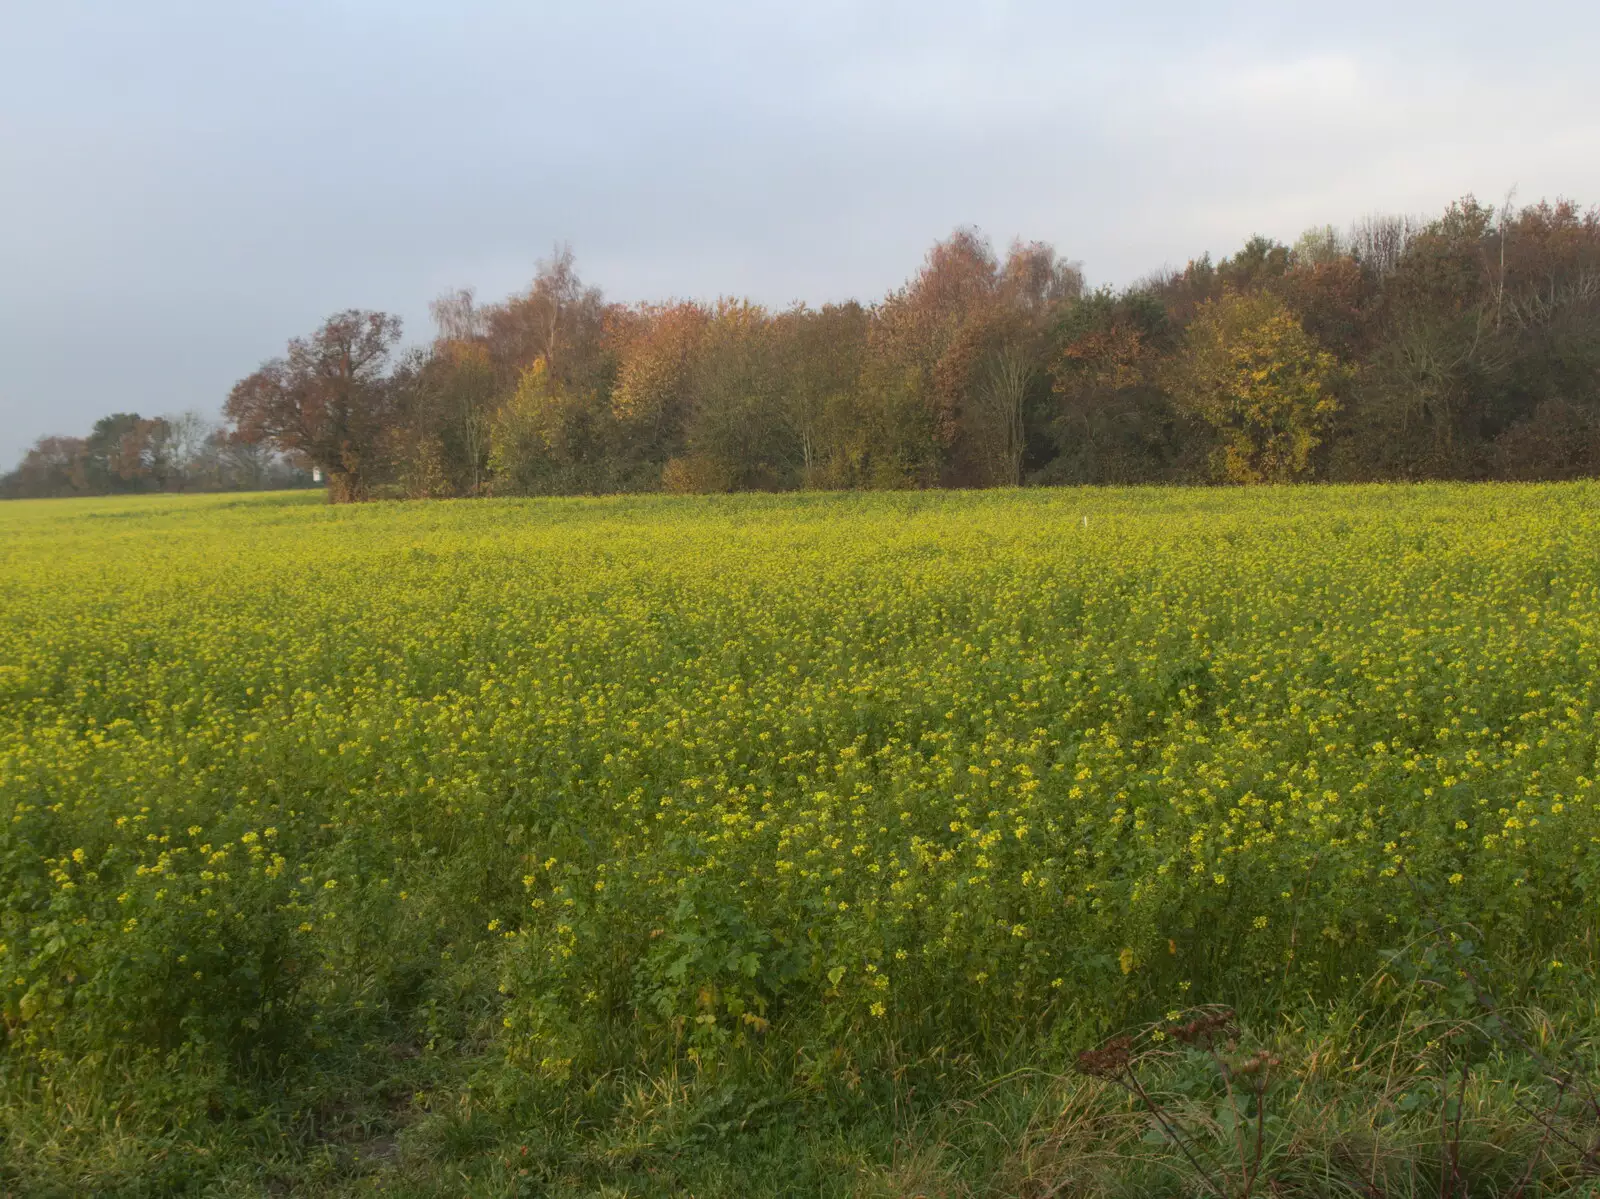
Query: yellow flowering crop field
[{"x": 568, "y": 784}]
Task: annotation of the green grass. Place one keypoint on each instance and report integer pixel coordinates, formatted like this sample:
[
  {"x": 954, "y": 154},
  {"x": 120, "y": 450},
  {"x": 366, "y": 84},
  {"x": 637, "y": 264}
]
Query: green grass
[{"x": 800, "y": 844}]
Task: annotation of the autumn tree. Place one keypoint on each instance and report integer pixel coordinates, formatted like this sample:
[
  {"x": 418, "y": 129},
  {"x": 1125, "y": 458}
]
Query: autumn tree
[
  {"x": 819, "y": 355},
  {"x": 527, "y": 436},
  {"x": 735, "y": 432},
  {"x": 910, "y": 360},
  {"x": 115, "y": 452},
  {"x": 653, "y": 393},
  {"x": 1261, "y": 382},
  {"x": 559, "y": 319},
  {"x": 964, "y": 338},
  {"x": 327, "y": 400},
  {"x": 549, "y": 438},
  {"x": 1111, "y": 421},
  {"x": 1333, "y": 296},
  {"x": 1034, "y": 279},
  {"x": 148, "y": 457},
  {"x": 516, "y": 397},
  {"x": 992, "y": 375},
  {"x": 888, "y": 437},
  {"x": 1258, "y": 263},
  {"x": 414, "y": 440},
  {"x": 1548, "y": 310},
  {"x": 1424, "y": 402},
  {"x": 444, "y": 399},
  {"x": 52, "y": 467}
]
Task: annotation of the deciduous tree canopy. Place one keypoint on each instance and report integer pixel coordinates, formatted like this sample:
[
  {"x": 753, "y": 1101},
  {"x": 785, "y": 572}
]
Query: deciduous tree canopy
[{"x": 1466, "y": 346}]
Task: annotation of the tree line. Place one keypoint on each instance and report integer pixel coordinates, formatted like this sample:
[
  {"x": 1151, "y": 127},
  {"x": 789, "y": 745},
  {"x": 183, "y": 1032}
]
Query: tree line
[
  {"x": 1461, "y": 347},
  {"x": 126, "y": 453}
]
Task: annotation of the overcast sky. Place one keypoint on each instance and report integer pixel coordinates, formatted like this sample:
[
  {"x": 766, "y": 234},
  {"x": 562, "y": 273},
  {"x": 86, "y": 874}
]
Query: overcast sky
[{"x": 184, "y": 186}]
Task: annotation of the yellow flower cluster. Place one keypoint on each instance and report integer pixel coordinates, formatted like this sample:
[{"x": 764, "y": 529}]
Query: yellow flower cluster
[{"x": 934, "y": 762}]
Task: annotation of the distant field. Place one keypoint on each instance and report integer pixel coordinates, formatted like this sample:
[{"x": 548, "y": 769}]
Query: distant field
[{"x": 704, "y": 843}]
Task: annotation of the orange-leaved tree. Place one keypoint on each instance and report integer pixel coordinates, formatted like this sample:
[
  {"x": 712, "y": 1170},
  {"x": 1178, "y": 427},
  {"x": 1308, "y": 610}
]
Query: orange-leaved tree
[{"x": 327, "y": 400}]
